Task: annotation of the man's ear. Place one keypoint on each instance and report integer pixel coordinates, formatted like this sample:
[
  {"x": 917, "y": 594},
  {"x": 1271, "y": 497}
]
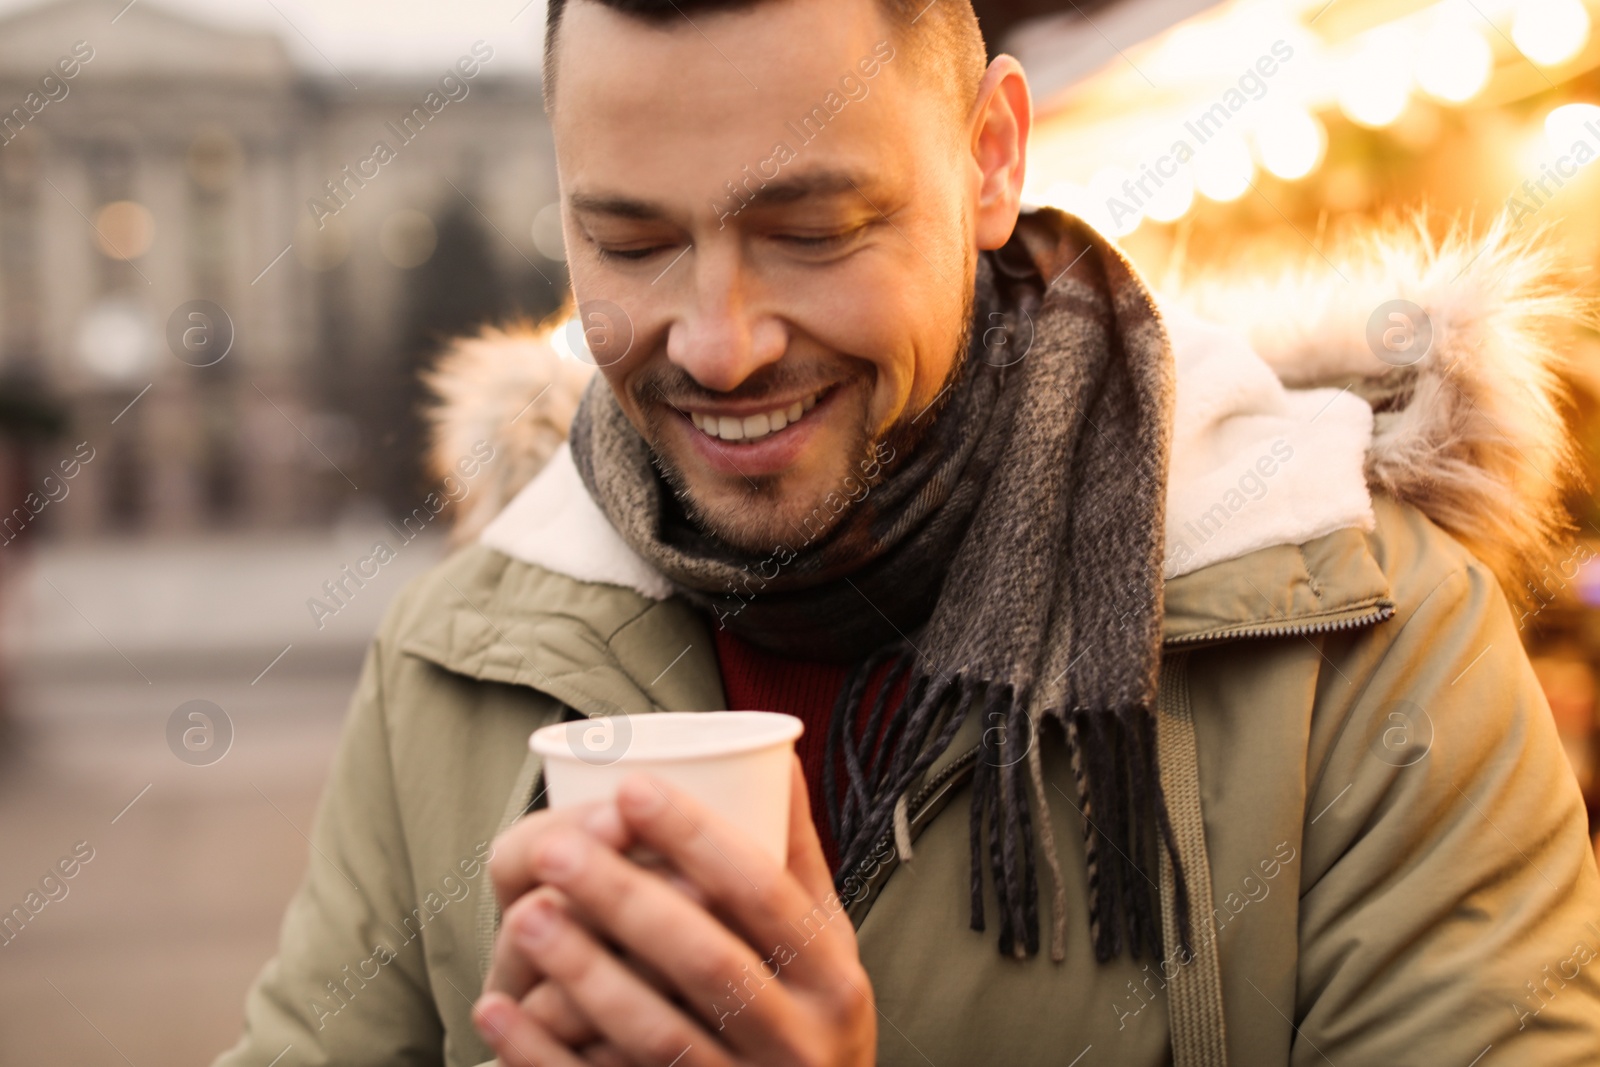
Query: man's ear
[{"x": 1000, "y": 121}]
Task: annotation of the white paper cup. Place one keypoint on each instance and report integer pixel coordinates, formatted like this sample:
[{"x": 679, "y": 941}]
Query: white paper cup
[{"x": 737, "y": 763}]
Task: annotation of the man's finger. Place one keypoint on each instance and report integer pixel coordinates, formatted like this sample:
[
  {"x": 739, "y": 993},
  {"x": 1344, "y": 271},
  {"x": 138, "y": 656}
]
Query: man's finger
[
  {"x": 508, "y": 864},
  {"x": 630, "y": 1015},
  {"x": 662, "y": 933},
  {"x": 510, "y": 971},
  {"x": 555, "y": 1011},
  {"x": 806, "y": 933},
  {"x": 603, "y": 1055},
  {"x": 516, "y": 1038},
  {"x": 806, "y": 860}
]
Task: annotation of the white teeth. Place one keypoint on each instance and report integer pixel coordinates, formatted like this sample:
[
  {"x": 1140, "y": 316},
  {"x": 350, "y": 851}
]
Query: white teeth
[{"x": 753, "y": 427}]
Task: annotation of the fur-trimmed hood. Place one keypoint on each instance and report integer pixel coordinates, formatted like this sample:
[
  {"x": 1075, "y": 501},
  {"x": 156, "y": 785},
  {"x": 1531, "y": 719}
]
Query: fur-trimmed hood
[{"x": 1268, "y": 362}]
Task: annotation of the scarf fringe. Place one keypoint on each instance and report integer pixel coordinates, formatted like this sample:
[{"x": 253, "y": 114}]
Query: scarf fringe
[{"x": 1113, "y": 758}]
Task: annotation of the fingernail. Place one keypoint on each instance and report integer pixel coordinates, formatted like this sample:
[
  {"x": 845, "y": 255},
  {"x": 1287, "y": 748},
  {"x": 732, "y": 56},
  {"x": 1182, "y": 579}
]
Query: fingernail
[
  {"x": 490, "y": 1017},
  {"x": 642, "y": 796},
  {"x": 560, "y": 856},
  {"x": 537, "y": 924},
  {"x": 604, "y": 823}
]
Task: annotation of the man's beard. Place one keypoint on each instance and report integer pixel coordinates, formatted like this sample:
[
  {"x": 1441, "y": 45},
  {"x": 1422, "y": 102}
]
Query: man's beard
[{"x": 753, "y": 522}]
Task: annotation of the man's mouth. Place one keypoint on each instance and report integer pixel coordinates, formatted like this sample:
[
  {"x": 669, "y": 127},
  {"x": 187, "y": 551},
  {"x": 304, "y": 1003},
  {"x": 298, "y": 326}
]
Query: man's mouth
[{"x": 754, "y": 427}]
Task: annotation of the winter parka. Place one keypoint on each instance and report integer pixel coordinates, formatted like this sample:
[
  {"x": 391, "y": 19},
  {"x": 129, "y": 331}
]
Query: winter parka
[{"x": 1386, "y": 848}]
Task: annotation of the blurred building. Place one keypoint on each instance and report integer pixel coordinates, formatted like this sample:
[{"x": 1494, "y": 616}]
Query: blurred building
[{"x": 209, "y": 265}]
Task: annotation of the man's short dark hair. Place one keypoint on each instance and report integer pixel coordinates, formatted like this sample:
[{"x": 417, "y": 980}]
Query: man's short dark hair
[{"x": 940, "y": 37}]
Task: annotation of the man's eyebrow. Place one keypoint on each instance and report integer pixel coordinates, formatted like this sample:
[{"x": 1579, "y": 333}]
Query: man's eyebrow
[
  {"x": 620, "y": 206},
  {"x": 820, "y": 183}
]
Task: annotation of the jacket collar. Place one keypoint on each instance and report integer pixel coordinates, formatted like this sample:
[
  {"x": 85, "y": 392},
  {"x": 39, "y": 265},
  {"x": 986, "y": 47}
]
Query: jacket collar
[
  {"x": 596, "y": 647},
  {"x": 1331, "y": 582},
  {"x": 602, "y": 648}
]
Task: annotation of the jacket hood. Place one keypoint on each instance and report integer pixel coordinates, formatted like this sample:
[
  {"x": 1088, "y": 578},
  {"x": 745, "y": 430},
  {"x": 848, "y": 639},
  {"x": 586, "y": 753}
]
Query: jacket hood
[
  {"x": 1475, "y": 432},
  {"x": 1285, "y": 419}
]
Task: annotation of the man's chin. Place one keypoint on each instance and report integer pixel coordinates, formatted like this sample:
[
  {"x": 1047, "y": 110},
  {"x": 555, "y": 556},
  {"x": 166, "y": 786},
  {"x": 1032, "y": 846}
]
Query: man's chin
[
  {"x": 759, "y": 519},
  {"x": 787, "y": 509},
  {"x": 761, "y": 515}
]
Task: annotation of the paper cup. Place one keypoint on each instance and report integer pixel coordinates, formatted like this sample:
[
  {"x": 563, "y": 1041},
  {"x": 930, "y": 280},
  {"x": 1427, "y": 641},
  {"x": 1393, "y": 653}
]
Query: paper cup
[{"x": 734, "y": 762}]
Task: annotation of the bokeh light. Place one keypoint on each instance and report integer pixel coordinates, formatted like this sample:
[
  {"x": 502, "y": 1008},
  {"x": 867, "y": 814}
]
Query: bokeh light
[
  {"x": 1569, "y": 124},
  {"x": 407, "y": 238},
  {"x": 1291, "y": 141},
  {"x": 1109, "y": 207},
  {"x": 1375, "y": 81},
  {"x": 1173, "y": 199},
  {"x": 1453, "y": 61},
  {"x": 124, "y": 229},
  {"x": 1223, "y": 168},
  {"x": 1550, "y": 32}
]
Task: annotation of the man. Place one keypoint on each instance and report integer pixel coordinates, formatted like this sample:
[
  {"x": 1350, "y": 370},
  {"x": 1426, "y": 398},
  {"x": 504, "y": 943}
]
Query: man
[{"x": 1152, "y": 715}]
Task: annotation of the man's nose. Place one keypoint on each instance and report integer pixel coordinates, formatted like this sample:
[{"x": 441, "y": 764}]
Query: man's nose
[{"x": 725, "y": 331}]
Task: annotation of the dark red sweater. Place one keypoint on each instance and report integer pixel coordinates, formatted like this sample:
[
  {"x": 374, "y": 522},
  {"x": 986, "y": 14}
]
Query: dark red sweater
[{"x": 757, "y": 680}]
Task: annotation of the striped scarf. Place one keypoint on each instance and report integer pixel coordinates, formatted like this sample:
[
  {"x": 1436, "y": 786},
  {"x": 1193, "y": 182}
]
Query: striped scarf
[{"x": 1008, "y": 567}]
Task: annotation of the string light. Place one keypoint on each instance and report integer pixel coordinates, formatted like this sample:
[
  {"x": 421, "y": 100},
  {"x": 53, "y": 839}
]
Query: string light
[
  {"x": 1550, "y": 32},
  {"x": 1223, "y": 169},
  {"x": 1109, "y": 207},
  {"x": 1376, "y": 81},
  {"x": 1173, "y": 199},
  {"x": 1570, "y": 124},
  {"x": 1440, "y": 52},
  {"x": 1291, "y": 142},
  {"x": 1453, "y": 62}
]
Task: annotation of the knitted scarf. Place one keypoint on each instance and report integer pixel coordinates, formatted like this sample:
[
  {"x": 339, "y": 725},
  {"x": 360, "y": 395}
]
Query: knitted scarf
[{"x": 1008, "y": 567}]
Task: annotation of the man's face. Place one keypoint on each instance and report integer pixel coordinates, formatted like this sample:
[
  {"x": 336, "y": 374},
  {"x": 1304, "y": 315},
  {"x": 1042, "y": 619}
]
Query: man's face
[{"x": 764, "y": 335}]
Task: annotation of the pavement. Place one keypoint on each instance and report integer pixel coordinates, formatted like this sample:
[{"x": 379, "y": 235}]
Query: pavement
[{"x": 183, "y": 849}]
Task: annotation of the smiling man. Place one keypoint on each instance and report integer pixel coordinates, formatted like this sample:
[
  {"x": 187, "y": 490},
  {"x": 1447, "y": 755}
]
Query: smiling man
[
  {"x": 1156, "y": 711},
  {"x": 802, "y": 311}
]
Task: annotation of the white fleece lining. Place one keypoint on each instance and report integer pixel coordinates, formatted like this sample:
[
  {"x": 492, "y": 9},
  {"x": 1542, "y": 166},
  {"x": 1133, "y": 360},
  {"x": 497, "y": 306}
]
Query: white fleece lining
[
  {"x": 1253, "y": 465},
  {"x": 555, "y": 523}
]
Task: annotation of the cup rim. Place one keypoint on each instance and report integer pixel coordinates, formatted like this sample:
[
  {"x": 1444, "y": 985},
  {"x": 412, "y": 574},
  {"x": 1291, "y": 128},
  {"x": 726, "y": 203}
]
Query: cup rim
[{"x": 781, "y": 728}]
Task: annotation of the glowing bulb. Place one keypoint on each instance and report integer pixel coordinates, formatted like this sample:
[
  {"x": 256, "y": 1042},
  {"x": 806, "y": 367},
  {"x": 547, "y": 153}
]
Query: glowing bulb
[
  {"x": 1111, "y": 209},
  {"x": 1550, "y": 31},
  {"x": 1172, "y": 199},
  {"x": 1291, "y": 141},
  {"x": 1571, "y": 123},
  {"x": 1453, "y": 62},
  {"x": 1223, "y": 168},
  {"x": 1376, "y": 80}
]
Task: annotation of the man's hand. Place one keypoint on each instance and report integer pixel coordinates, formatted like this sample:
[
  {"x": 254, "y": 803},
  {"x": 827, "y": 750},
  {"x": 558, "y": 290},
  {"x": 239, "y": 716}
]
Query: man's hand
[{"x": 725, "y": 957}]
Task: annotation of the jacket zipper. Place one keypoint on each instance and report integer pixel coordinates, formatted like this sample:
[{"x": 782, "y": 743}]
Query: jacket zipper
[
  {"x": 955, "y": 767},
  {"x": 959, "y": 768},
  {"x": 1378, "y": 613}
]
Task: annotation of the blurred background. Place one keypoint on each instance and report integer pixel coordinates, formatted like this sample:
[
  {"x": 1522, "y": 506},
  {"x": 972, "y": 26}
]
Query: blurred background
[{"x": 215, "y": 297}]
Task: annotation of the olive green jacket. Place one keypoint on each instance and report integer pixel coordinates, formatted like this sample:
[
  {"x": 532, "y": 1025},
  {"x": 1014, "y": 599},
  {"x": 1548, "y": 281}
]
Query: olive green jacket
[
  {"x": 1399, "y": 872},
  {"x": 1386, "y": 849}
]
